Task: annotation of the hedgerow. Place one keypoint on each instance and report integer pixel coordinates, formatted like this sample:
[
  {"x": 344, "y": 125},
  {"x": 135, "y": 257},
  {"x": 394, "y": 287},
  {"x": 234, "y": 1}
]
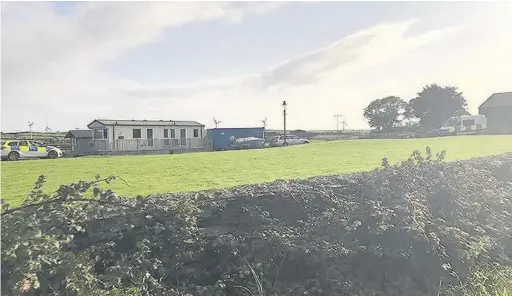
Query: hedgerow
[{"x": 403, "y": 229}]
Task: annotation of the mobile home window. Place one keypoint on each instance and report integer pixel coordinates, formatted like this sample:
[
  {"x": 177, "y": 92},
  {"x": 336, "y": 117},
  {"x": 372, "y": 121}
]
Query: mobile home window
[
  {"x": 166, "y": 133},
  {"x": 173, "y": 133},
  {"x": 196, "y": 133},
  {"x": 137, "y": 133},
  {"x": 105, "y": 134},
  {"x": 98, "y": 134}
]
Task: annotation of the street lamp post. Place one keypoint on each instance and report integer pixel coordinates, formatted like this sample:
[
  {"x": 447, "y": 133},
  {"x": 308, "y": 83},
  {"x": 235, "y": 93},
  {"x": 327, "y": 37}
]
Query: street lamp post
[
  {"x": 284, "y": 121},
  {"x": 338, "y": 124}
]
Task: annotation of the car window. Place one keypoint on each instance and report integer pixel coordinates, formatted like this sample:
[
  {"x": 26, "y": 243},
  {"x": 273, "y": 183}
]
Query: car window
[
  {"x": 13, "y": 144},
  {"x": 38, "y": 144},
  {"x": 23, "y": 143},
  {"x": 468, "y": 122},
  {"x": 450, "y": 122}
]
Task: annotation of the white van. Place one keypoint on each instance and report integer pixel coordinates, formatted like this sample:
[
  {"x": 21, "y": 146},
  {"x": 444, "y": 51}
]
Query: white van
[{"x": 465, "y": 124}]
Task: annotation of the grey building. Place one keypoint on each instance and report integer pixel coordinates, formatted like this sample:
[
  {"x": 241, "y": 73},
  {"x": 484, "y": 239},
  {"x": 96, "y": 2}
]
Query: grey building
[
  {"x": 498, "y": 110},
  {"x": 80, "y": 141}
]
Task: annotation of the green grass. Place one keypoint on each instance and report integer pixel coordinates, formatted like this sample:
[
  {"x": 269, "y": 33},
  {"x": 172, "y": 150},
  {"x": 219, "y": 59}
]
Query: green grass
[{"x": 195, "y": 171}]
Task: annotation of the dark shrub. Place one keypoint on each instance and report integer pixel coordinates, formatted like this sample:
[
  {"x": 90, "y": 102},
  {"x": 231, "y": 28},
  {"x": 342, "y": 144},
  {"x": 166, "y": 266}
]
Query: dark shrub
[{"x": 398, "y": 230}]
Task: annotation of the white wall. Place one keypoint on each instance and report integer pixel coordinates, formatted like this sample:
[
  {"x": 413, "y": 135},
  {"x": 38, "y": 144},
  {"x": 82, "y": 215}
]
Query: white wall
[
  {"x": 158, "y": 131},
  {"x": 127, "y": 143}
]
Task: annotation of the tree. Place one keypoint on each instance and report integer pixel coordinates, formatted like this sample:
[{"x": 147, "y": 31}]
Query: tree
[
  {"x": 387, "y": 113},
  {"x": 435, "y": 104}
]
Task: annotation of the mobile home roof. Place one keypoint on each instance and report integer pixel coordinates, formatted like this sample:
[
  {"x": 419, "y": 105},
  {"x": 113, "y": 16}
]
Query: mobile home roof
[{"x": 123, "y": 122}]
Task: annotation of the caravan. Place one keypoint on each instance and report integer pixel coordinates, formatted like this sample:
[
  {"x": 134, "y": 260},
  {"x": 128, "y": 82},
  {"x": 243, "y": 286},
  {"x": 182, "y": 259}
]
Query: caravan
[{"x": 465, "y": 124}]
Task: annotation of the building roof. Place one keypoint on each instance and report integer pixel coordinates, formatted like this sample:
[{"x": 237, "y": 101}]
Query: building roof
[
  {"x": 498, "y": 100},
  {"x": 132, "y": 122},
  {"x": 79, "y": 134},
  {"x": 236, "y": 128}
]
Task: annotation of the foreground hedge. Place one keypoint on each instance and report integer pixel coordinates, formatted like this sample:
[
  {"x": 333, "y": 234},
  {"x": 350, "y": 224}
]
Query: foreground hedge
[{"x": 405, "y": 229}]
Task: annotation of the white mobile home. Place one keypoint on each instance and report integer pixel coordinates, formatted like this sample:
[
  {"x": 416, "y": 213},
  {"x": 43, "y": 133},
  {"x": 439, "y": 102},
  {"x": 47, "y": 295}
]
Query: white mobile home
[{"x": 144, "y": 135}]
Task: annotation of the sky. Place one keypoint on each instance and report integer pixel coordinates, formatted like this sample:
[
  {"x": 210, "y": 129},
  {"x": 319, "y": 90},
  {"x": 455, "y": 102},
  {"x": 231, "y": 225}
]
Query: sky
[{"x": 64, "y": 64}]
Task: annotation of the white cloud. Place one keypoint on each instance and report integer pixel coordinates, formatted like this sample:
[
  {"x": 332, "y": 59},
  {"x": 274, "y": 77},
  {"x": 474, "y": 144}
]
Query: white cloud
[
  {"x": 54, "y": 62},
  {"x": 57, "y": 64}
]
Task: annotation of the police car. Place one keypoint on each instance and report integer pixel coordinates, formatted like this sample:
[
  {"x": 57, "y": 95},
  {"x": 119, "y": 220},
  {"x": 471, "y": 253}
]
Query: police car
[
  {"x": 18, "y": 149},
  {"x": 465, "y": 124}
]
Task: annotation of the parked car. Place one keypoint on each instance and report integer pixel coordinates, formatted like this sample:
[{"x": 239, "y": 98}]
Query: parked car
[
  {"x": 247, "y": 143},
  {"x": 19, "y": 149},
  {"x": 290, "y": 140}
]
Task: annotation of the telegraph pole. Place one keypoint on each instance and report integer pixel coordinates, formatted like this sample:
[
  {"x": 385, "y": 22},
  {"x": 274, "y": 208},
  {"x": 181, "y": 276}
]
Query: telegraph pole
[
  {"x": 337, "y": 116},
  {"x": 264, "y": 121},
  {"x": 284, "y": 123}
]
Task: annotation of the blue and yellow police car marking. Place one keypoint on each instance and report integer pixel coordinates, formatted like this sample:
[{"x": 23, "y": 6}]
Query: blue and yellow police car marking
[{"x": 26, "y": 149}]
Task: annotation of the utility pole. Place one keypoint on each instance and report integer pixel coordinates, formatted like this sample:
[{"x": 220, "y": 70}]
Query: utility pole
[
  {"x": 284, "y": 123},
  {"x": 264, "y": 121},
  {"x": 337, "y": 116}
]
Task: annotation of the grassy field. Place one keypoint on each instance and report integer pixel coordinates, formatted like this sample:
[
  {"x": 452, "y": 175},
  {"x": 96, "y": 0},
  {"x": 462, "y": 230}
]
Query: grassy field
[{"x": 188, "y": 172}]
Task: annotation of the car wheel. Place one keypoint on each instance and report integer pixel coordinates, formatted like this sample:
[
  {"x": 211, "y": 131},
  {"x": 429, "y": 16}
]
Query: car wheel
[
  {"x": 306, "y": 142},
  {"x": 285, "y": 144},
  {"x": 13, "y": 156},
  {"x": 52, "y": 155}
]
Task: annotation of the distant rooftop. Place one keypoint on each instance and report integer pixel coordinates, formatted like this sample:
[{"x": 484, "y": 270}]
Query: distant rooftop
[
  {"x": 124, "y": 122},
  {"x": 498, "y": 100},
  {"x": 79, "y": 134}
]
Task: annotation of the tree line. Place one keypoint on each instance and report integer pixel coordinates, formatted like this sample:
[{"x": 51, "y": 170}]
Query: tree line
[{"x": 428, "y": 110}]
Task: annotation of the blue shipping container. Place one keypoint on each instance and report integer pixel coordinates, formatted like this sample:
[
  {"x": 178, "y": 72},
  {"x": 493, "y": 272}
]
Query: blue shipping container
[{"x": 221, "y": 137}]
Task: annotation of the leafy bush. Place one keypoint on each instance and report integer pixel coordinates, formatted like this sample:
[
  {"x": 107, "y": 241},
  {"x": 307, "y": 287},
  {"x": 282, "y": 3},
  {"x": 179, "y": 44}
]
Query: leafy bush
[
  {"x": 491, "y": 280},
  {"x": 403, "y": 229}
]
